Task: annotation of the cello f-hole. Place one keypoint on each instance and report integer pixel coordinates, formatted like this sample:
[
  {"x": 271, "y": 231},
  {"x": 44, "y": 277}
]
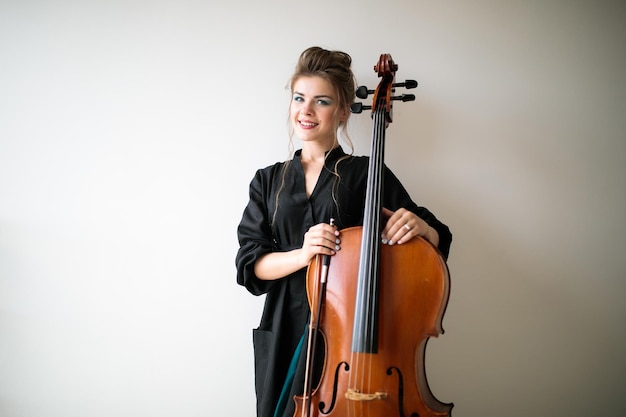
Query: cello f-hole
[{"x": 322, "y": 404}]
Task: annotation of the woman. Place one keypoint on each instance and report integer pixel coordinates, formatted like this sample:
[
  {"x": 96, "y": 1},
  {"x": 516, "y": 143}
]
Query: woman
[{"x": 286, "y": 222}]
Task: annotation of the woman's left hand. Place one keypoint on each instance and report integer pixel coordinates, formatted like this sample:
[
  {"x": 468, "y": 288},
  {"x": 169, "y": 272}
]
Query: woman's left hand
[{"x": 403, "y": 225}]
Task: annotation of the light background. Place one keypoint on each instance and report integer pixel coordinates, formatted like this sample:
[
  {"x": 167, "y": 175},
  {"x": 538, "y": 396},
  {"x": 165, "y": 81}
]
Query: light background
[{"x": 129, "y": 132}]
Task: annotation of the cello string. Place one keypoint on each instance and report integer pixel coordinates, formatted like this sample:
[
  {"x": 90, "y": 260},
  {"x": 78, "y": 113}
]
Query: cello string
[
  {"x": 363, "y": 312},
  {"x": 372, "y": 250},
  {"x": 367, "y": 296},
  {"x": 376, "y": 245}
]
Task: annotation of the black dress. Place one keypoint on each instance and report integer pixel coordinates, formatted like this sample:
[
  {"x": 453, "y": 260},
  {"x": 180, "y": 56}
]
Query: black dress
[{"x": 286, "y": 308}]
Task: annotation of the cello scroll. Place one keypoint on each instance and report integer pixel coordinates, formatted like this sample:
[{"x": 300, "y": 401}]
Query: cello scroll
[{"x": 383, "y": 95}]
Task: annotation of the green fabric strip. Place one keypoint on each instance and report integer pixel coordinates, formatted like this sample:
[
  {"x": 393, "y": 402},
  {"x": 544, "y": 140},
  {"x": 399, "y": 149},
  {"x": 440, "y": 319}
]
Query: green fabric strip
[{"x": 284, "y": 395}]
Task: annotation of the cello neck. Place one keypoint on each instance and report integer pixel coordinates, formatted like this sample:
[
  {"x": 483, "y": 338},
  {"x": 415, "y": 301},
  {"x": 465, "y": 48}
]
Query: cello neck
[{"x": 365, "y": 328}]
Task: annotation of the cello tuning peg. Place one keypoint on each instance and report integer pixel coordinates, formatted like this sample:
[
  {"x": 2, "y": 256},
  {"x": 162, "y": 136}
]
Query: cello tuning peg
[
  {"x": 406, "y": 84},
  {"x": 363, "y": 92},
  {"x": 404, "y": 97},
  {"x": 358, "y": 108}
]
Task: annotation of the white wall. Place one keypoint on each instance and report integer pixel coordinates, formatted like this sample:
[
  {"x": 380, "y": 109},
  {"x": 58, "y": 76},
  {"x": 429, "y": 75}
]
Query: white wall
[{"x": 129, "y": 132}]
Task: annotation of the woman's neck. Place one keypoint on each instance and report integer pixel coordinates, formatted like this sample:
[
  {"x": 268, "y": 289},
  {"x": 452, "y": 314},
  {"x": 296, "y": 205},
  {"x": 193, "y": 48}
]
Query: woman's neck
[{"x": 312, "y": 153}]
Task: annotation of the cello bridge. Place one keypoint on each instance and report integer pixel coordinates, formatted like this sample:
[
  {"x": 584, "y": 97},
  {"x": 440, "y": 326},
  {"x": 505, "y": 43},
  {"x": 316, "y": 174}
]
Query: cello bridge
[{"x": 355, "y": 395}]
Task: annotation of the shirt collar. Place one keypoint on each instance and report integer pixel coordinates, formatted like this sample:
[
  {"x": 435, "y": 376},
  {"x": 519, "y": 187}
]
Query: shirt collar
[{"x": 331, "y": 156}]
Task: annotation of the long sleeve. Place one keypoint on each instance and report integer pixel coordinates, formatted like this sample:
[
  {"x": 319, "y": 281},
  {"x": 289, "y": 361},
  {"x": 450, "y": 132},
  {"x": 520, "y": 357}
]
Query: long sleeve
[{"x": 255, "y": 236}]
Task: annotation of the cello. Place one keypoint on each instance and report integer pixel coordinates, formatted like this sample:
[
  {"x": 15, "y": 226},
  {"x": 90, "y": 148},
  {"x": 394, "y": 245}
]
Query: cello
[{"x": 375, "y": 306}]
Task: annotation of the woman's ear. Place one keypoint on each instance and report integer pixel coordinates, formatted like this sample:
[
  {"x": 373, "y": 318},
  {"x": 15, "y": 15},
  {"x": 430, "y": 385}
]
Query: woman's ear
[{"x": 343, "y": 115}]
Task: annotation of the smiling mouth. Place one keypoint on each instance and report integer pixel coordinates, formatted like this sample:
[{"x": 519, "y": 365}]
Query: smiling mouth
[{"x": 306, "y": 123}]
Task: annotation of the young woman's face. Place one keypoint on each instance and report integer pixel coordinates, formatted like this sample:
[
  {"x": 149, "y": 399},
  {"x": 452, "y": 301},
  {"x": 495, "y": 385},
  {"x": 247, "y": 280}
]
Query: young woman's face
[{"x": 314, "y": 110}]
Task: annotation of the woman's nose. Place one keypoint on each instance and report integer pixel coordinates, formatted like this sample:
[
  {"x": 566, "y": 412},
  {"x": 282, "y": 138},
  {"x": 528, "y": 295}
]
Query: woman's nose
[{"x": 306, "y": 109}]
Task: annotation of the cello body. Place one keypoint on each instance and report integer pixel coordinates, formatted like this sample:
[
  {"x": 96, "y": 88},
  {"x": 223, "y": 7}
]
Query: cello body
[{"x": 414, "y": 292}]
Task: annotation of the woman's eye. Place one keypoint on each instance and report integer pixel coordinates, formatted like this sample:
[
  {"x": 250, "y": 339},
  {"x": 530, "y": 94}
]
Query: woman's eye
[
  {"x": 323, "y": 102},
  {"x": 298, "y": 98}
]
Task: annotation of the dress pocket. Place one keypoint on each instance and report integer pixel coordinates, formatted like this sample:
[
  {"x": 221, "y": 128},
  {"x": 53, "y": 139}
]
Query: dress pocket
[{"x": 263, "y": 342}]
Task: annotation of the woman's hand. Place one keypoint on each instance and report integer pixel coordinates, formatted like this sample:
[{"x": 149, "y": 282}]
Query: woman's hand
[
  {"x": 322, "y": 239},
  {"x": 403, "y": 225}
]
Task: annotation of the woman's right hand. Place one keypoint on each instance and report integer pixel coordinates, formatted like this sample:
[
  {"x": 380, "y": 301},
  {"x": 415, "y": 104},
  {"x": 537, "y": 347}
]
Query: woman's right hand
[{"x": 321, "y": 239}]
